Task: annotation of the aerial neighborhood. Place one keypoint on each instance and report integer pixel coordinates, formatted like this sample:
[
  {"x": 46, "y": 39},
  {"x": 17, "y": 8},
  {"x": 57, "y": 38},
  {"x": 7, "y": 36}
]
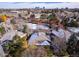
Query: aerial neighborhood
[{"x": 39, "y": 32}]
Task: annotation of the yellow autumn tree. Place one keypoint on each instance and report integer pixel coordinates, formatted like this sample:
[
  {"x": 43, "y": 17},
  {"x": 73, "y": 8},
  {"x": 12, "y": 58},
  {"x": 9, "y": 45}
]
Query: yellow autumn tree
[{"x": 4, "y": 18}]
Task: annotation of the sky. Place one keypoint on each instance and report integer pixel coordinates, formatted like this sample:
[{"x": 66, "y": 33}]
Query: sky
[{"x": 39, "y": 4}]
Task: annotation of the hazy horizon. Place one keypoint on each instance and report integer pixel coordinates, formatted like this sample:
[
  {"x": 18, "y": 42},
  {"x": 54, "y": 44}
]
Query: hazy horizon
[{"x": 48, "y": 5}]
